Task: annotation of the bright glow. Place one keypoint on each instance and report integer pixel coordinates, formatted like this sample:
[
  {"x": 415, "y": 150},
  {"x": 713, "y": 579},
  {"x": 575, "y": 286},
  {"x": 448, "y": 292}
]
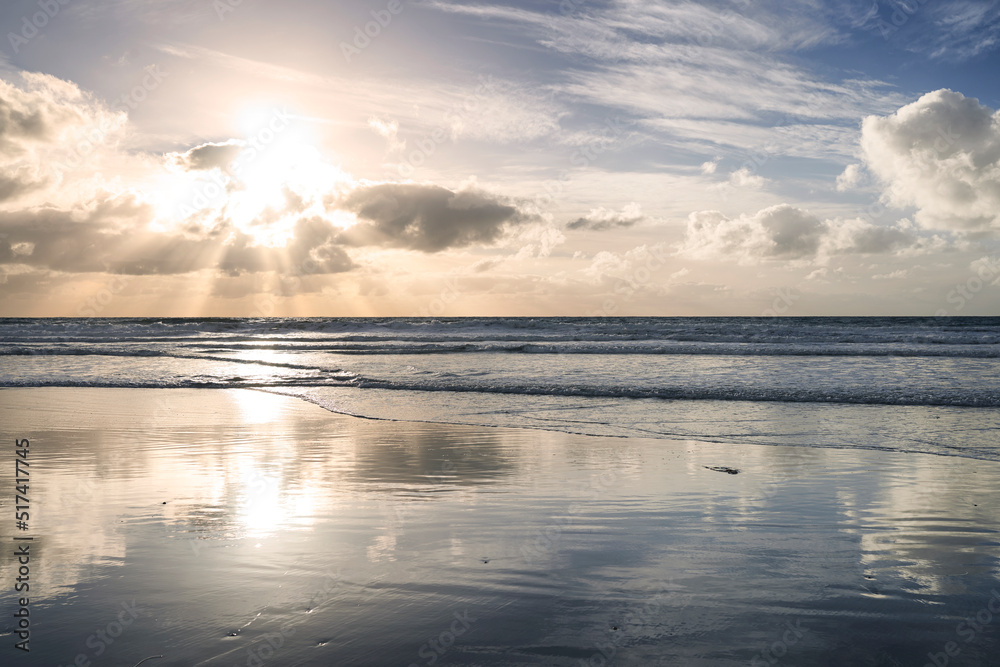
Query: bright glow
[
  {"x": 278, "y": 178},
  {"x": 262, "y": 511},
  {"x": 258, "y": 407},
  {"x": 252, "y": 118}
]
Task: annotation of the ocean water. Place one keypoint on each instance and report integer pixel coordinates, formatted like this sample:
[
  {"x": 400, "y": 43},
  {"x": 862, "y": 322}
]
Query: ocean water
[{"x": 925, "y": 385}]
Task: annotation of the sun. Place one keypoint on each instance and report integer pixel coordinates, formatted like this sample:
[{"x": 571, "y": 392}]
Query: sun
[
  {"x": 278, "y": 177},
  {"x": 252, "y": 118}
]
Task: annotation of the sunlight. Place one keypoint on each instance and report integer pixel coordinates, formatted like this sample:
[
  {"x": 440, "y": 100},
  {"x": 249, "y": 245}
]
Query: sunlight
[
  {"x": 261, "y": 511},
  {"x": 257, "y": 407},
  {"x": 281, "y": 183},
  {"x": 278, "y": 177},
  {"x": 252, "y": 118}
]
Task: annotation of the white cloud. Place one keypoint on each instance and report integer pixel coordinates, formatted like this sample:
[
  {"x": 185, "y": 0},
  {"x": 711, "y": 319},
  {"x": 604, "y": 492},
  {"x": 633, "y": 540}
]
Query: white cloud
[
  {"x": 784, "y": 232},
  {"x": 940, "y": 154},
  {"x": 713, "y": 85},
  {"x": 708, "y": 168},
  {"x": 744, "y": 177},
  {"x": 389, "y": 129},
  {"x": 791, "y": 25},
  {"x": 542, "y": 241},
  {"x": 850, "y": 178},
  {"x": 49, "y": 129},
  {"x": 958, "y": 30},
  {"x": 635, "y": 269},
  {"x": 810, "y": 139},
  {"x": 987, "y": 268},
  {"x": 502, "y": 112},
  {"x": 781, "y": 231},
  {"x": 689, "y": 69},
  {"x": 899, "y": 274}
]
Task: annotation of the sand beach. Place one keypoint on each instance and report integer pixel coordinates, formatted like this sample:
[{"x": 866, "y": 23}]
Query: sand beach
[{"x": 237, "y": 527}]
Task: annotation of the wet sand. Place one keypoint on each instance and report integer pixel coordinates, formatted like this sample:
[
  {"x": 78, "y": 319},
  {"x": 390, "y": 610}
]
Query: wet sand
[{"x": 234, "y": 527}]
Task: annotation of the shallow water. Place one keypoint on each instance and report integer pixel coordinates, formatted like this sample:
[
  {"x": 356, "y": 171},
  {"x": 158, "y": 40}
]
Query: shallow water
[
  {"x": 255, "y": 529},
  {"x": 901, "y": 384}
]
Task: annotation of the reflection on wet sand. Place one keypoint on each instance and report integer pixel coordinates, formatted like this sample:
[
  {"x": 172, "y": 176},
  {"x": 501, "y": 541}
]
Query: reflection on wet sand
[{"x": 248, "y": 527}]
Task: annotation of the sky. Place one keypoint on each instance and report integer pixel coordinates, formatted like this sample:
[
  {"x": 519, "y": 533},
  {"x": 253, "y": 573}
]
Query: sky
[{"x": 524, "y": 158}]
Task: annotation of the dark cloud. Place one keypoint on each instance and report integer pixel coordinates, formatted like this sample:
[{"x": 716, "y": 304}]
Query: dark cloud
[
  {"x": 487, "y": 264},
  {"x": 12, "y": 187},
  {"x": 111, "y": 238},
  {"x": 858, "y": 236},
  {"x": 66, "y": 240},
  {"x": 36, "y": 112},
  {"x": 208, "y": 156},
  {"x": 41, "y": 111},
  {"x": 311, "y": 251},
  {"x": 45, "y": 122},
  {"x": 426, "y": 217},
  {"x": 18, "y": 124},
  {"x": 791, "y": 231},
  {"x": 601, "y": 219}
]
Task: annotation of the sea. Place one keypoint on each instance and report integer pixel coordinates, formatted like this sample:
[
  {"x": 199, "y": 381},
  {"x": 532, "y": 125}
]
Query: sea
[{"x": 926, "y": 385}]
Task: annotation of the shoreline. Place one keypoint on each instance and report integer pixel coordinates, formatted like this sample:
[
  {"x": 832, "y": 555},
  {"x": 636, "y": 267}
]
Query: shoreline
[{"x": 349, "y": 401}]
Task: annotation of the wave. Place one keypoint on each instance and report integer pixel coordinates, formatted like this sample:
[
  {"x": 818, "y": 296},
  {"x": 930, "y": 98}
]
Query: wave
[
  {"x": 853, "y": 396},
  {"x": 234, "y": 382},
  {"x": 977, "y": 399},
  {"x": 929, "y": 330},
  {"x": 216, "y": 347},
  {"x": 948, "y": 361},
  {"x": 145, "y": 353}
]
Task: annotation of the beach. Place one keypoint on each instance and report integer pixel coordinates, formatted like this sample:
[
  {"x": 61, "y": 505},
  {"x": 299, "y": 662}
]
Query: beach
[
  {"x": 558, "y": 334},
  {"x": 521, "y": 333},
  {"x": 237, "y": 527}
]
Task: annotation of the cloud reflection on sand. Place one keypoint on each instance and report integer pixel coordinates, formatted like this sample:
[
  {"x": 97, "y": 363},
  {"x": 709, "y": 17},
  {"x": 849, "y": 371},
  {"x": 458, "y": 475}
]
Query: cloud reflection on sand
[{"x": 223, "y": 512}]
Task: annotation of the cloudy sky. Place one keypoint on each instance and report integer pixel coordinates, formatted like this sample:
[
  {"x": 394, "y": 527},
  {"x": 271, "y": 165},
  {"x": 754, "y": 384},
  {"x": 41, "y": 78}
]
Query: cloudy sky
[{"x": 531, "y": 157}]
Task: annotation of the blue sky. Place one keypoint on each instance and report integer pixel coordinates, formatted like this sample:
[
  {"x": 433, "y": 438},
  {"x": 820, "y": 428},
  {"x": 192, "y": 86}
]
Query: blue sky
[{"x": 576, "y": 157}]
